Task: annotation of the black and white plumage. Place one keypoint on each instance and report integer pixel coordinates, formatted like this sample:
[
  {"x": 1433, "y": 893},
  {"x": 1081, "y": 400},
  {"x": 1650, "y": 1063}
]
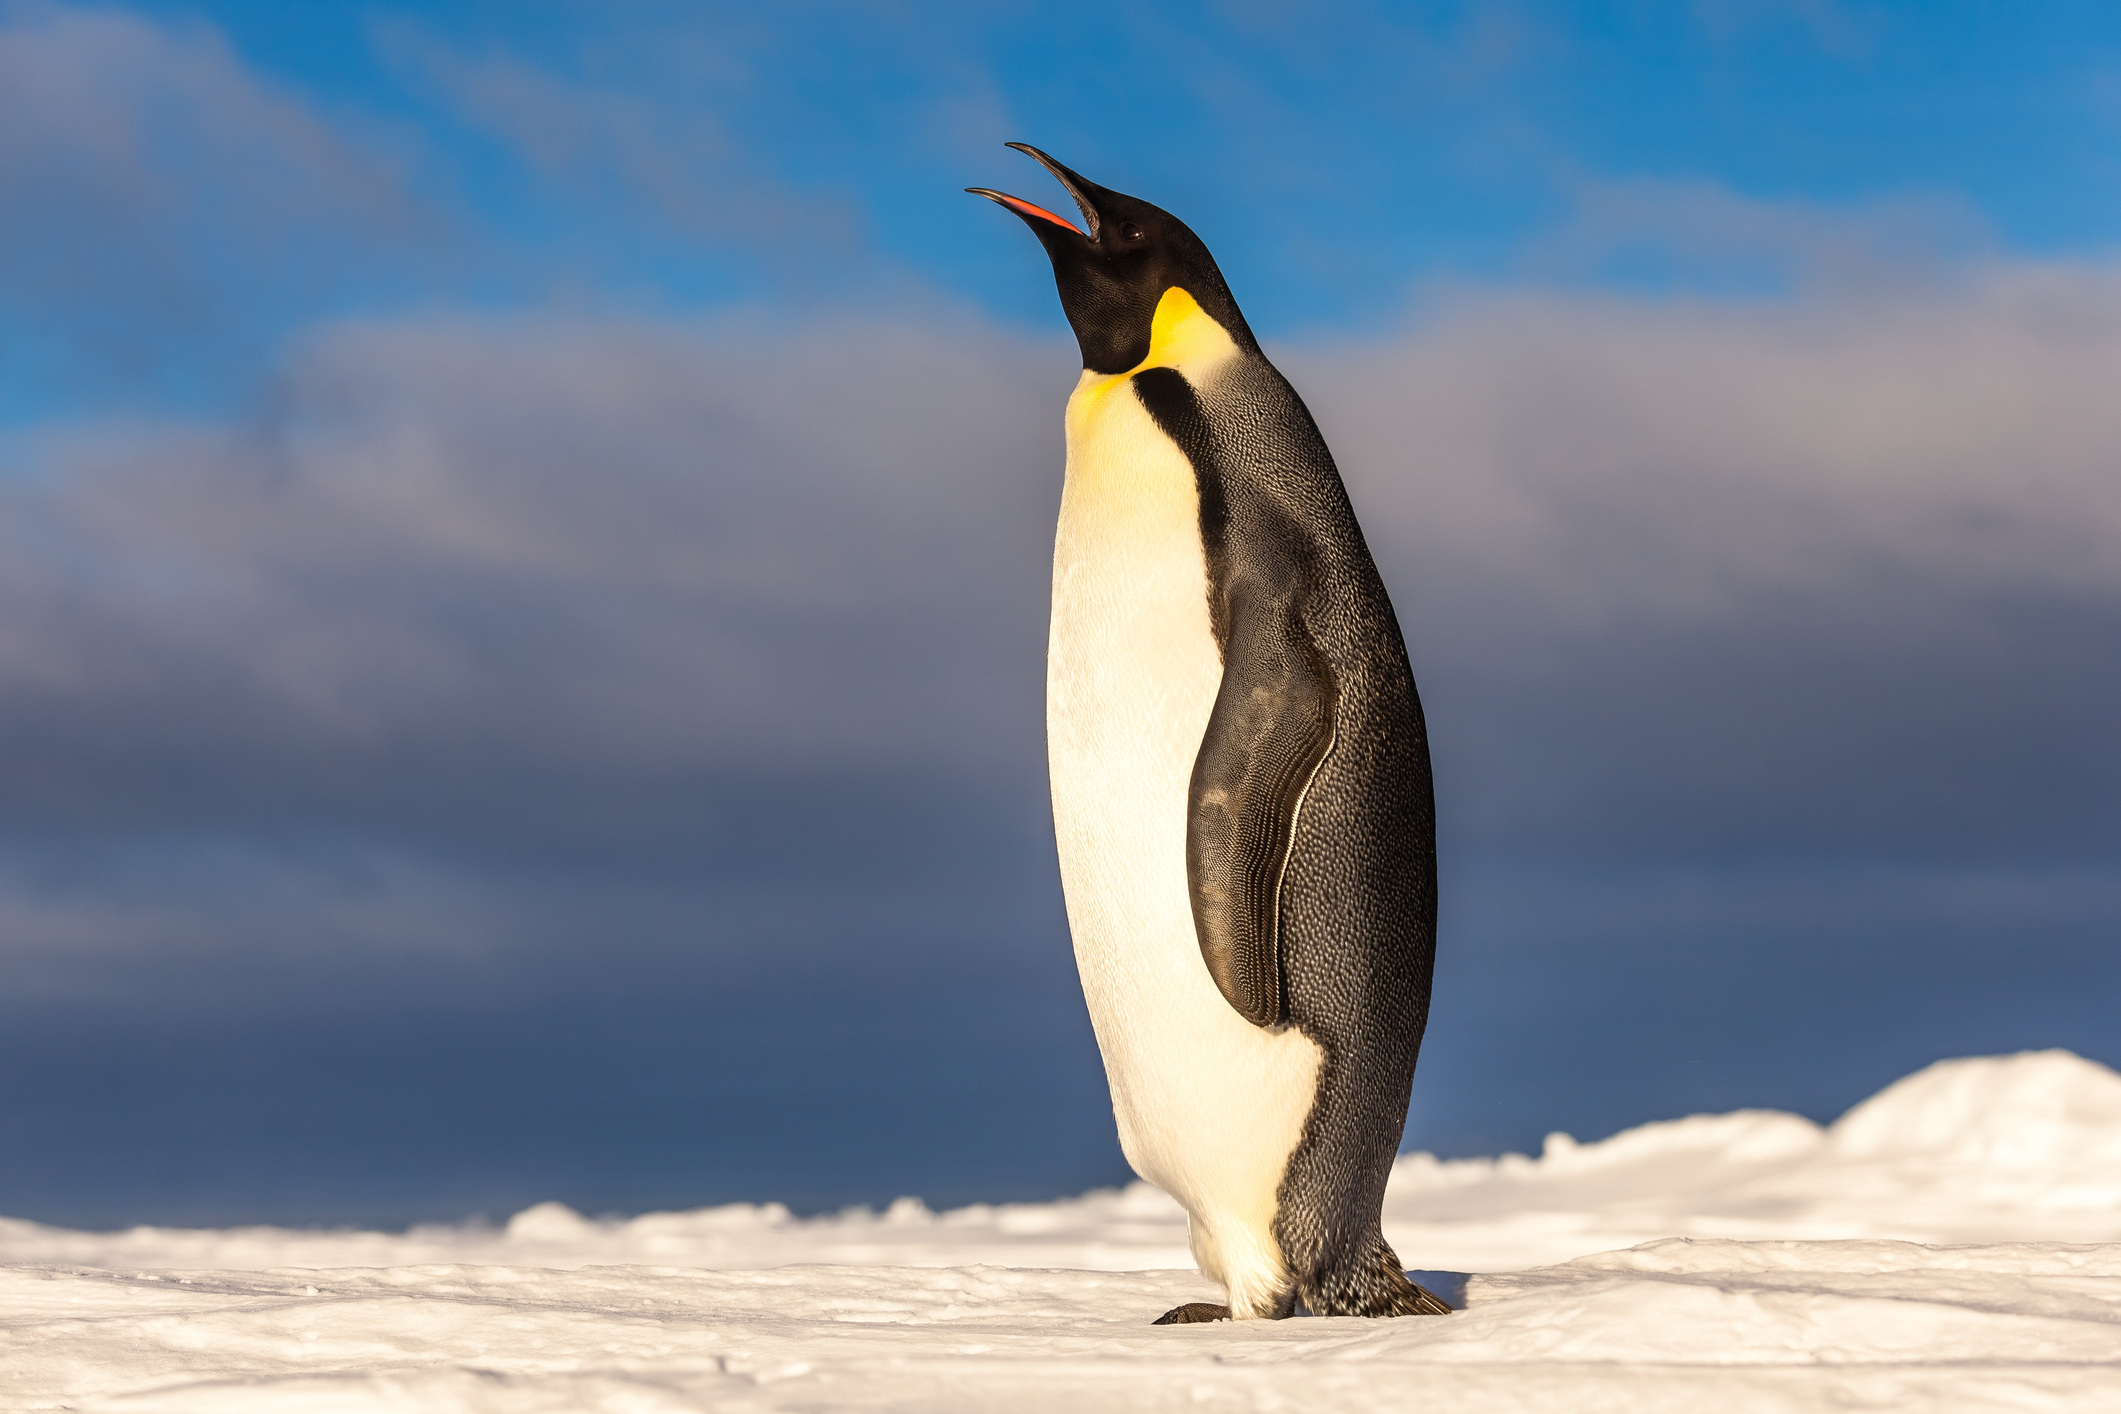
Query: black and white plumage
[{"x": 1240, "y": 779}]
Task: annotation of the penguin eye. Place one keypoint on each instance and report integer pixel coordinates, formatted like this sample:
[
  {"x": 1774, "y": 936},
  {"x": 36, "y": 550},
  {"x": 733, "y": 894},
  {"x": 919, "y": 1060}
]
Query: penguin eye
[{"x": 1128, "y": 231}]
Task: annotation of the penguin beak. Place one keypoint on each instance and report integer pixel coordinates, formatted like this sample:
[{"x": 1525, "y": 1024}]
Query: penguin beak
[{"x": 1035, "y": 214}]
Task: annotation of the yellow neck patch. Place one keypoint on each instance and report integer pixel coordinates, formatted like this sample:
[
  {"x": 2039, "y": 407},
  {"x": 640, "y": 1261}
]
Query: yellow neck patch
[
  {"x": 1182, "y": 333},
  {"x": 1181, "y": 336}
]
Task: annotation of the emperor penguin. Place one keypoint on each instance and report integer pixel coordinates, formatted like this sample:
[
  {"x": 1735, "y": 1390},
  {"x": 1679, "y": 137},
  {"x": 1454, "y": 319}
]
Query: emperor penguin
[{"x": 1240, "y": 779}]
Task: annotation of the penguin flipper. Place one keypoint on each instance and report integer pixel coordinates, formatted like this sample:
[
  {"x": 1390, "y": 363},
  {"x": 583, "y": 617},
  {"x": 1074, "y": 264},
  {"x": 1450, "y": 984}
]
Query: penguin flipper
[{"x": 1271, "y": 728}]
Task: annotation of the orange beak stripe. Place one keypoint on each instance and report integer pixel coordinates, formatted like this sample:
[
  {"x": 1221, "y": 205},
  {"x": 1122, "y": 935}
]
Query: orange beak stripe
[{"x": 1018, "y": 204}]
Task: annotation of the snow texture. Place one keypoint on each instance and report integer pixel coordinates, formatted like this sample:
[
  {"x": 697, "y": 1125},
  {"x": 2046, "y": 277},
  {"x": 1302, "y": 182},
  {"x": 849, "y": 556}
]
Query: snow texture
[{"x": 1952, "y": 1243}]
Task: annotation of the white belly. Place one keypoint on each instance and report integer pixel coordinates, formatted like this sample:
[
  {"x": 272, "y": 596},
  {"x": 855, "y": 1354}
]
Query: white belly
[{"x": 1209, "y": 1106}]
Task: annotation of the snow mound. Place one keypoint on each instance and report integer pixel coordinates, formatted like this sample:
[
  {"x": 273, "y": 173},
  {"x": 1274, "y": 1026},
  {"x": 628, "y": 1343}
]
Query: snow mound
[
  {"x": 2045, "y": 1110},
  {"x": 1992, "y": 1149},
  {"x": 1995, "y": 1148},
  {"x": 1953, "y": 1243}
]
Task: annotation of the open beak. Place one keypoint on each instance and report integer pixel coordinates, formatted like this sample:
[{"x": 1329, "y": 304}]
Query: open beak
[{"x": 1032, "y": 213}]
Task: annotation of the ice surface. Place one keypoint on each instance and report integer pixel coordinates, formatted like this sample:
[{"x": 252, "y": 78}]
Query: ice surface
[{"x": 1768, "y": 1264}]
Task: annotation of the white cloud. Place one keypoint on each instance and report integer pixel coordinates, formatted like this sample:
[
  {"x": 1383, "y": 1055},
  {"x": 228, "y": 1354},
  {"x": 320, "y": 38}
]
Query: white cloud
[
  {"x": 612, "y": 541},
  {"x": 107, "y": 105},
  {"x": 1840, "y": 575},
  {"x": 158, "y": 194},
  {"x": 1836, "y": 29},
  {"x": 1837, "y": 577},
  {"x": 666, "y": 150},
  {"x": 723, "y": 544},
  {"x": 1702, "y": 235},
  {"x": 1604, "y": 457}
]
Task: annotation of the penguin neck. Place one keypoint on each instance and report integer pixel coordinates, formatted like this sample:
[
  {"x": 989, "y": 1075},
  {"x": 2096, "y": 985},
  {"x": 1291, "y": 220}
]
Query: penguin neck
[{"x": 1182, "y": 336}]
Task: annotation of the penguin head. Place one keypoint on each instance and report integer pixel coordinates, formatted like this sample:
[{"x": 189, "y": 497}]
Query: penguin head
[{"x": 1112, "y": 274}]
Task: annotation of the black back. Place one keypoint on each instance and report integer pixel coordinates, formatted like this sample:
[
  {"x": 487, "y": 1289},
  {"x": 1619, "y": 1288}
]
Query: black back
[{"x": 1312, "y": 650}]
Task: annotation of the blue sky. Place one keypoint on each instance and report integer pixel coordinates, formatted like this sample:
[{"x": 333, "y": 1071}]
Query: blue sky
[
  {"x": 521, "y": 634},
  {"x": 677, "y": 157}
]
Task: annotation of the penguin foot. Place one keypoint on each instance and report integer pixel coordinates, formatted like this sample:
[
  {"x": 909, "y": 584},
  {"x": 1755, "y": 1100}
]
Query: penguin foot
[
  {"x": 1374, "y": 1286},
  {"x": 1194, "y": 1312}
]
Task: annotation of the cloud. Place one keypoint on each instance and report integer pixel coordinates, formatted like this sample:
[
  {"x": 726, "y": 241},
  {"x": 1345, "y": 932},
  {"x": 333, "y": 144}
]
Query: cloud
[
  {"x": 664, "y": 151},
  {"x": 554, "y": 629},
  {"x": 1830, "y": 576},
  {"x": 627, "y": 544},
  {"x": 1607, "y": 455},
  {"x": 627, "y": 619},
  {"x": 1706, "y": 238},
  {"x": 1837, "y": 30},
  {"x": 158, "y": 194}
]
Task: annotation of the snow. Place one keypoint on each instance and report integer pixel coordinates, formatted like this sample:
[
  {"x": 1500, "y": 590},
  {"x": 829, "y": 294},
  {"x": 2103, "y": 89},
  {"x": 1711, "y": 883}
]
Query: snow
[{"x": 1952, "y": 1243}]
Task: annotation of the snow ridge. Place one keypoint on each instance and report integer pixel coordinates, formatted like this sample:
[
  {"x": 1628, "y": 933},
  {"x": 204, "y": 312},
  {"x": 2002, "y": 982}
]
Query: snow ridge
[
  {"x": 2000, "y": 1148},
  {"x": 1953, "y": 1243}
]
